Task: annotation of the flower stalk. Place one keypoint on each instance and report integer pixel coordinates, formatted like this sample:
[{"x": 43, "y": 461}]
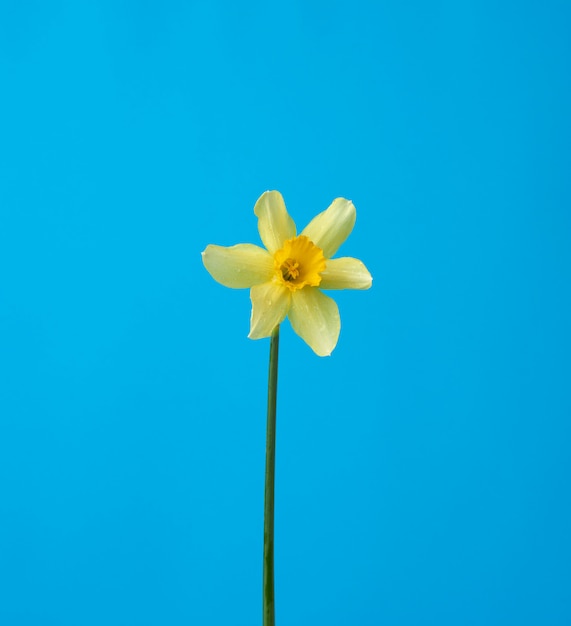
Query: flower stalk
[{"x": 268, "y": 608}]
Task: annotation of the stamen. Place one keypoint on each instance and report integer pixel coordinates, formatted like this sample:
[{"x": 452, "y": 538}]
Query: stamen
[{"x": 290, "y": 269}]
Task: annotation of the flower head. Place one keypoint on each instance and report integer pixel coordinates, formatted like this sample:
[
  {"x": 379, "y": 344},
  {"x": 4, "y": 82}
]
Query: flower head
[{"x": 287, "y": 277}]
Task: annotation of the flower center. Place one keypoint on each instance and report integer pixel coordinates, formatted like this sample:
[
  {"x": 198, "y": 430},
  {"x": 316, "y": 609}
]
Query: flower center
[
  {"x": 290, "y": 269},
  {"x": 299, "y": 263}
]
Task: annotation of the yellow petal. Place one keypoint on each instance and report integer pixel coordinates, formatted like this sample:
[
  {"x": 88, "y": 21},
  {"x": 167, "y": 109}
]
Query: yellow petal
[
  {"x": 345, "y": 273},
  {"x": 270, "y": 305},
  {"x": 329, "y": 229},
  {"x": 274, "y": 222},
  {"x": 315, "y": 318},
  {"x": 240, "y": 266}
]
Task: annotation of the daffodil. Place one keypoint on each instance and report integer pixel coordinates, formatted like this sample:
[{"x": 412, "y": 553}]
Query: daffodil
[{"x": 287, "y": 277}]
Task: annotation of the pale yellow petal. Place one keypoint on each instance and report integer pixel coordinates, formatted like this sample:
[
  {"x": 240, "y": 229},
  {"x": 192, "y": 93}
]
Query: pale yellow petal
[
  {"x": 240, "y": 266},
  {"x": 329, "y": 229},
  {"x": 315, "y": 318},
  {"x": 274, "y": 222},
  {"x": 345, "y": 273},
  {"x": 270, "y": 305}
]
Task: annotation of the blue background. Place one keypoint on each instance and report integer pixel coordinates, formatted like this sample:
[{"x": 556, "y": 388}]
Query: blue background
[{"x": 423, "y": 469}]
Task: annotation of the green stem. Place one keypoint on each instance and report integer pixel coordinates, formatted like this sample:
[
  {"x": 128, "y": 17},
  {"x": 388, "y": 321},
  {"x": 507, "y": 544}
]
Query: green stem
[{"x": 268, "y": 589}]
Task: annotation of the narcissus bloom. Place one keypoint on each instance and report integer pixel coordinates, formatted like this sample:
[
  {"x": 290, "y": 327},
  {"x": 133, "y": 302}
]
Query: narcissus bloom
[{"x": 287, "y": 277}]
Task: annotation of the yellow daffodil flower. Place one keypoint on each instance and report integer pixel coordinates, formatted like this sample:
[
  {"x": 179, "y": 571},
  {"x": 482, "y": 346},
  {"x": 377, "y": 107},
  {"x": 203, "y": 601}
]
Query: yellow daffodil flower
[{"x": 287, "y": 277}]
